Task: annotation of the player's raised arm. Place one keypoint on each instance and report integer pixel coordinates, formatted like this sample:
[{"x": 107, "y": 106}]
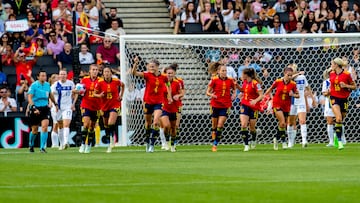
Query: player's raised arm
[{"x": 135, "y": 67}]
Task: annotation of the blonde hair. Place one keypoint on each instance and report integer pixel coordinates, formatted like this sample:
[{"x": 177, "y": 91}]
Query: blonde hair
[
  {"x": 293, "y": 66},
  {"x": 52, "y": 78},
  {"x": 326, "y": 73},
  {"x": 339, "y": 61}
]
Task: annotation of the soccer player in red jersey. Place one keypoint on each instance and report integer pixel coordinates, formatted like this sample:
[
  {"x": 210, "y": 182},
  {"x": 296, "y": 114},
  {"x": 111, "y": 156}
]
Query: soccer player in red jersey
[
  {"x": 221, "y": 90},
  {"x": 285, "y": 89},
  {"x": 252, "y": 94},
  {"x": 341, "y": 85},
  {"x": 89, "y": 108},
  {"x": 156, "y": 83},
  {"x": 170, "y": 110},
  {"x": 108, "y": 90}
]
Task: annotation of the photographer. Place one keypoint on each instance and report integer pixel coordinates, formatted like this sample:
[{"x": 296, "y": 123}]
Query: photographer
[
  {"x": 213, "y": 24},
  {"x": 7, "y": 104},
  {"x": 92, "y": 13}
]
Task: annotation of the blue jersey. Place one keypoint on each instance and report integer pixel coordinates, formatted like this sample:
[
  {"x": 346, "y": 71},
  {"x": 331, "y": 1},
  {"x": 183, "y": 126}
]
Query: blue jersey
[{"x": 40, "y": 93}]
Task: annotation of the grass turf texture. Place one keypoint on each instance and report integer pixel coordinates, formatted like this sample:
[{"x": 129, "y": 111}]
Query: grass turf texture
[{"x": 193, "y": 174}]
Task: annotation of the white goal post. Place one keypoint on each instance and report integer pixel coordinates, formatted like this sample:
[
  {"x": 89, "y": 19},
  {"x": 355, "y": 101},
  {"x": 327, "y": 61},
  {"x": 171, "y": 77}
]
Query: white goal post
[{"x": 311, "y": 52}]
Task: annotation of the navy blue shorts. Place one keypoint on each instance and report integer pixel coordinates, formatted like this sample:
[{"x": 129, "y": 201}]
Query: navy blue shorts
[
  {"x": 246, "y": 110},
  {"x": 94, "y": 115},
  {"x": 150, "y": 108},
  {"x": 217, "y": 112},
  {"x": 172, "y": 116},
  {"x": 343, "y": 103},
  {"x": 107, "y": 113}
]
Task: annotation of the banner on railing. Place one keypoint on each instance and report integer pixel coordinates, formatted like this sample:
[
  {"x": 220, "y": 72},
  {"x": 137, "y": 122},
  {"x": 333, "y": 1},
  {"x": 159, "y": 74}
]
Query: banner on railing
[{"x": 17, "y": 25}]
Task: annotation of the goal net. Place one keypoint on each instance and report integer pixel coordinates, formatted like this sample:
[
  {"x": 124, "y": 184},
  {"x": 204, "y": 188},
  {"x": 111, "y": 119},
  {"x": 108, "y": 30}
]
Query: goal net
[{"x": 312, "y": 54}]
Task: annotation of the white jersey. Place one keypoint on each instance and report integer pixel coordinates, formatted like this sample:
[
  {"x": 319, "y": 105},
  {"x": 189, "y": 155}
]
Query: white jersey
[
  {"x": 327, "y": 108},
  {"x": 63, "y": 93},
  {"x": 301, "y": 84}
]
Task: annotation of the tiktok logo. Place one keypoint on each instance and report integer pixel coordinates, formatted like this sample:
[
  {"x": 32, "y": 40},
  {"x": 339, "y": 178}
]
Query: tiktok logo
[{"x": 9, "y": 134}]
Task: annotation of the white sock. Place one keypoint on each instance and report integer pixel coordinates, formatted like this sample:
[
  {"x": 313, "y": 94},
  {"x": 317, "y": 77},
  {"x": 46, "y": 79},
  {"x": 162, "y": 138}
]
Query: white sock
[
  {"x": 293, "y": 136},
  {"x": 54, "y": 139},
  {"x": 289, "y": 132},
  {"x": 66, "y": 135},
  {"x": 303, "y": 130},
  {"x": 162, "y": 137},
  {"x": 343, "y": 139},
  {"x": 330, "y": 131},
  {"x": 61, "y": 136}
]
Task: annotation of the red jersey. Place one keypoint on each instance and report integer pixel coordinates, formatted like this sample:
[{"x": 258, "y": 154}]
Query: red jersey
[
  {"x": 23, "y": 68},
  {"x": 155, "y": 86},
  {"x": 181, "y": 82},
  {"x": 250, "y": 92},
  {"x": 222, "y": 90},
  {"x": 89, "y": 101},
  {"x": 175, "y": 89},
  {"x": 335, "y": 89},
  {"x": 281, "y": 97},
  {"x": 111, "y": 93}
]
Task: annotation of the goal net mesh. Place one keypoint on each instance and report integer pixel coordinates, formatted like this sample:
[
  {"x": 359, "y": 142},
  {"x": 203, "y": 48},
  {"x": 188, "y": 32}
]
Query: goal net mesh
[{"x": 192, "y": 53}]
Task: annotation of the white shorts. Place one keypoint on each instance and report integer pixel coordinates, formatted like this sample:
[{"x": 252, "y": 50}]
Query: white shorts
[
  {"x": 295, "y": 109},
  {"x": 53, "y": 115},
  {"x": 328, "y": 112},
  {"x": 64, "y": 114}
]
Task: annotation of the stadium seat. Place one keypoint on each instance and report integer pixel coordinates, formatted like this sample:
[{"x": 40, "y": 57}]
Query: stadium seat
[
  {"x": 45, "y": 61},
  {"x": 284, "y": 17},
  {"x": 193, "y": 28},
  {"x": 93, "y": 48}
]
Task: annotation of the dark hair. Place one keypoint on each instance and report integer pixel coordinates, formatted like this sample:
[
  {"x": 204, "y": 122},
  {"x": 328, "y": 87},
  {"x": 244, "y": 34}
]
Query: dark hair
[
  {"x": 154, "y": 61},
  {"x": 252, "y": 74},
  {"x": 40, "y": 71},
  {"x": 174, "y": 66}
]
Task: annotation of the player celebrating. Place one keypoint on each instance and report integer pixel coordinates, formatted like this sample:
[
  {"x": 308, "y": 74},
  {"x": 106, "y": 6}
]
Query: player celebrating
[
  {"x": 38, "y": 97},
  {"x": 169, "y": 110},
  {"x": 298, "y": 108},
  {"x": 156, "y": 83},
  {"x": 66, "y": 99},
  {"x": 252, "y": 93},
  {"x": 108, "y": 90},
  {"x": 221, "y": 90},
  {"x": 285, "y": 89},
  {"x": 89, "y": 108},
  {"x": 341, "y": 85}
]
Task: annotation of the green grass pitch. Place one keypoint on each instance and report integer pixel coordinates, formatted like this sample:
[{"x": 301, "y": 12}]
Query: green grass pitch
[{"x": 193, "y": 174}]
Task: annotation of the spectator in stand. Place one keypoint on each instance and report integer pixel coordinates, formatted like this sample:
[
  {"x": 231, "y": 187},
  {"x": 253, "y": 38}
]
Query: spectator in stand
[
  {"x": 55, "y": 46},
  {"x": 213, "y": 24},
  {"x": 47, "y": 28},
  {"x": 34, "y": 31},
  {"x": 301, "y": 11},
  {"x": 61, "y": 12},
  {"x": 3, "y": 78},
  {"x": 292, "y": 24},
  {"x": 60, "y": 32},
  {"x": 259, "y": 28},
  {"x": 23, "y": 75},
  {"x": 85, "y": 57},
  {"x": 8, "y": 57},
  {"x": 18, "y": 38},
  {"x": 356, "y": 10},
  {"x": 107, "y": 52},
  {"x": 19, "y": 7},
  {"x": 92, "y": 13},
  {"x": 280, "y": 6},
  {"x": 205, "y": 14},
  {"x": 330, "y": 26},
  {"x": 299, "y": 28},
  {"x": 314, "y": 5},
  {"x": 229, "y": 12},
  {"x": 65, "y": 58},
  {"x": 351, "y": 24},
  {"x": 176, "y": 6},
  {"x": 83, "y": 21},
  {"x": 7, "y": 104},
  {"x": 5, "y": 40},
  {"x": 322, "y": 13},
  {"x": 102, "y": 14},
  {"x": 95, "y": 37},
  {"x": 189, "y": 16},
  {"x": 248, "y": 14},
  {"x": 277, "y": 29},
  {"x": 309, "y": 20},
  {"x": 7, "y": 10},
  {"x": 256, "y": 6},
  {"x": 111, "y": 16},
  {"x": 115, "y": 31},
  {"x": 42, "y": 15},
  {"x": 314, "y": 29},
  {"x": 232, "y": 24},
  {"x": 344, "y": 11},
  {"x": 38, "y": 46},
  {"x": 242, "y": 28}
]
